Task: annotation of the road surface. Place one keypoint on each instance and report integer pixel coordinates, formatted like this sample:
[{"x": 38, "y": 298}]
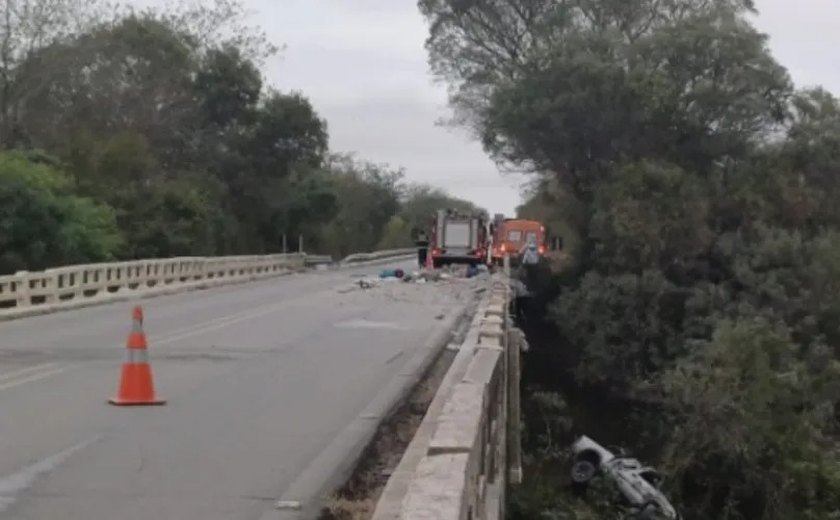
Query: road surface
[{"x": 262, "y": 381}]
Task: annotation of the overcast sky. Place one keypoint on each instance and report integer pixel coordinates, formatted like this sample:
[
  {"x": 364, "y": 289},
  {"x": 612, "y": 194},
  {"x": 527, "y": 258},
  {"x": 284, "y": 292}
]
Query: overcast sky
[{"x": 363, "y": 65}]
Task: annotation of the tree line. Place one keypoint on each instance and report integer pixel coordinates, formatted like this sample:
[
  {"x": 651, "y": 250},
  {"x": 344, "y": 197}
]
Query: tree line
[
  {"x": 699, "y": 188},
  {"x": 152, "y": 133}
]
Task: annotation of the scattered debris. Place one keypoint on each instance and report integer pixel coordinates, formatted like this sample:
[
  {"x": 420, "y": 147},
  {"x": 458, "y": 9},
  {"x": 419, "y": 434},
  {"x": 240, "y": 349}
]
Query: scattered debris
[
  {"x": 638, "y": 484},
  {"x": 287, "y": 505},
  {"x": 449, "y": 274},
  {"x": 367, "y": 284},
  {"x": 392, "y": 273}
]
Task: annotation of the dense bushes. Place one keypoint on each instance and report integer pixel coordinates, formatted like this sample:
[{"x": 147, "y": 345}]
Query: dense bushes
[
  {"x": 43, "y": 224},
  {"x": 699, "y": 188}
]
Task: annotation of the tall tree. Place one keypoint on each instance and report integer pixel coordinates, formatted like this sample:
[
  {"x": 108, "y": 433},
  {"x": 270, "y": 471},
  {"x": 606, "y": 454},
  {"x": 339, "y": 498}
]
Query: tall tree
[
  {"x": 132, "y": 76},
  {"x": 370, "y": 198},
  {"x": 26, "y": 28}
]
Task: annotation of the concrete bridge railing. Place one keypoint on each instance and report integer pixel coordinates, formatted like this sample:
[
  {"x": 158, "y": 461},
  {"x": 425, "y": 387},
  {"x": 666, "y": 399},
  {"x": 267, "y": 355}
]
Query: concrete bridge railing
[
  {"x": 466, "y": 450},
  {"x": 28, "y": 293}
]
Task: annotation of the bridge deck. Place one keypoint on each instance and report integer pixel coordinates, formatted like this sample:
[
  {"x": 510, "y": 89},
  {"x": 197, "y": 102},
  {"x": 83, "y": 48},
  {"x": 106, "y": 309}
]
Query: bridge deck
[{"x": 260, "y": 379}]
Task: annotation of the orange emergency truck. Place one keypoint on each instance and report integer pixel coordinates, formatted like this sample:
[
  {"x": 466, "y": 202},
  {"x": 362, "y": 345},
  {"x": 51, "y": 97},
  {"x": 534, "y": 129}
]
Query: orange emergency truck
[{"x": 510, "y": 236}]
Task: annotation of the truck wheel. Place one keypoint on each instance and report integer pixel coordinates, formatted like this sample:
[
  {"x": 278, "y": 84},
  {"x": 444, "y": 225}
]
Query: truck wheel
[{"x": 583, "y": 471}]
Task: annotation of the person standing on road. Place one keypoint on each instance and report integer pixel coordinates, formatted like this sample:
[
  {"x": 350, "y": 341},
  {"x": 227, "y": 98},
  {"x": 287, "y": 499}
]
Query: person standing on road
[
  {"x": 529, "y": 255},
  {"x": 529, "y": 259},
  {"x": 422, "y": 243}
]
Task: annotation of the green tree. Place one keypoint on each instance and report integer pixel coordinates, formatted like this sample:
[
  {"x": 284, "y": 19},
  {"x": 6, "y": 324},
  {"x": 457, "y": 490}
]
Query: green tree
[
  {"x": 27, "y": 28},
  {"x": 159, "y": 215},
  {"x": 649, "y": 216},
  {"x": 229, "y": 88},
  {"x": 43, "y": 224},
  {"x": 396, "y": 235},
  {"x": 369, "y": 196},
  {"x": 103, "y": 83},
  {"x": 421, "y": 201},
  {"x": 749, "y": 433}
]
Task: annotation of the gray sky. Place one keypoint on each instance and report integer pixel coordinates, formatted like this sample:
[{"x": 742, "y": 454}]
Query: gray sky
[{"x": 363, "y": 65}]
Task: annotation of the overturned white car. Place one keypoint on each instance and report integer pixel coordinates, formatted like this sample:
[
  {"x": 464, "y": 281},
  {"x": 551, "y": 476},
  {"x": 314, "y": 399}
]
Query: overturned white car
[{"x": 639, "y": 484}]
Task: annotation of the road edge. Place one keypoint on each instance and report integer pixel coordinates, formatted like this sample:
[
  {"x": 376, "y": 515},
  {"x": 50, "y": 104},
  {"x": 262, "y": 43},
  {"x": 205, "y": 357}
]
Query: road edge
[{"x": 335, "y": 464}]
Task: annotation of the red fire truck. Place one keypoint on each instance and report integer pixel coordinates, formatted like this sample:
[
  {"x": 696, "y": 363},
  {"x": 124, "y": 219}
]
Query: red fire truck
[{"x": 458, "y": 238}]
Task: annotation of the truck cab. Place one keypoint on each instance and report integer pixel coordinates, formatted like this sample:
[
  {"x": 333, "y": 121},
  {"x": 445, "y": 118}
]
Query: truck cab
[{"x": 511, "y": 235}]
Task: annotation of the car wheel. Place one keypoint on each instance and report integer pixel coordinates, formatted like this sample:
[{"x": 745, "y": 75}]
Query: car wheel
[
  {"x": 648, "y": 511},
  {"x": 583, "y": 471}
]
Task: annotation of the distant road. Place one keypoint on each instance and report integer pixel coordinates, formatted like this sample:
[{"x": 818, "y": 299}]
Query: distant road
[{"x": 260, "y": 380}]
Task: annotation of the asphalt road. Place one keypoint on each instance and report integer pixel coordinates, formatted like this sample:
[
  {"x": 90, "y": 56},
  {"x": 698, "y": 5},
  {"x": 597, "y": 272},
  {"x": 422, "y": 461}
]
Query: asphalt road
[{"x": 261, "y": 380}]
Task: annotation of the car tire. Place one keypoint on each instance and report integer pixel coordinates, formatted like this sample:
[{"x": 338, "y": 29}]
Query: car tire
[
  {"x": 583, "y": 471},
  {"x": 648, "y": 511}
]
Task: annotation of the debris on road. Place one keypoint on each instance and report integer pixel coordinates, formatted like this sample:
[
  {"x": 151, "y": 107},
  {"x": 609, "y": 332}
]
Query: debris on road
[
  {"x": 367, "y": 284},
  {"x": 453, "y": 272},
  {"x": 453, "y": 347},
  {"x": 449, "y": 275},
  {"x": 288, "y": 505}
]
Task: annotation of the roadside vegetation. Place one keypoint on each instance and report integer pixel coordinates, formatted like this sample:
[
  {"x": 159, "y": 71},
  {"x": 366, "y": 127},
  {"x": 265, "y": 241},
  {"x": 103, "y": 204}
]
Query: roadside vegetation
[
  {"x": 698, "y": 324},
  {"x": 152, "y": 133}
]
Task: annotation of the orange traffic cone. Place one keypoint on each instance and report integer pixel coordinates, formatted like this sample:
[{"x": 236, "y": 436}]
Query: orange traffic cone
[{"x": 136, "y": 386}]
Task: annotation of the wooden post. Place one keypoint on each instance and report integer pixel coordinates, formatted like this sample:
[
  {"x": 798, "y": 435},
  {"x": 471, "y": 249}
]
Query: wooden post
[
  {"x": 300, "y": 243},
  {"x": 285, "y": 250}
]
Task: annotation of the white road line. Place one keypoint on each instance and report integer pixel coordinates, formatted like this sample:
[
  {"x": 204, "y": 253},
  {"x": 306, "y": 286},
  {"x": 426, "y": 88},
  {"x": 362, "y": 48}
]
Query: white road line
[
  {"x": 8, "y": 380},
  {"x": 13, "y": 485},
  {"x": 17, "y": 373},
  {"x": 39, "y": 372},
  {"x": 220, "y": 323},
  {"x": 32, "y": 378},
  {"x": 368, "y": 324},
  {"x": 199, "y": 327}
]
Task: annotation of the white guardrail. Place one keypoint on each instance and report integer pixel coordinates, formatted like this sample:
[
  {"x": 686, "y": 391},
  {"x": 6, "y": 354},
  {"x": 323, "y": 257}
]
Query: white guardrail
[
  {"x": 466, "y": 450},
  {"x": 63, "y": 285},
  {"x": 37, "y": 292}
]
